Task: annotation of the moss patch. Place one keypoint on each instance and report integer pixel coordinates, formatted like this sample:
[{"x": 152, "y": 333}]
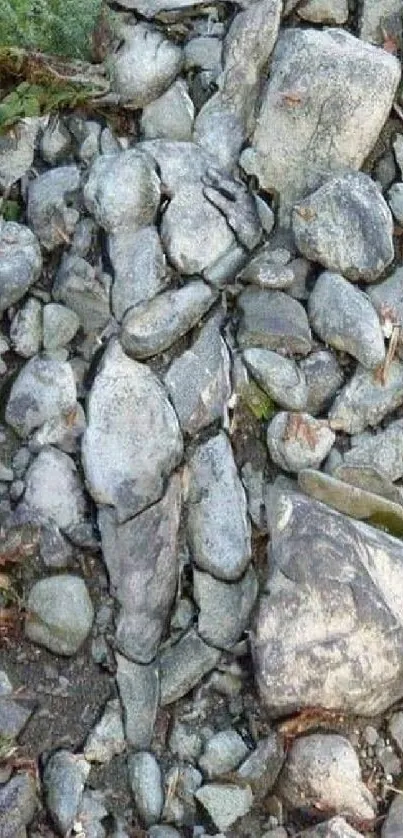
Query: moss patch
[{"x": 59, "y": 27}]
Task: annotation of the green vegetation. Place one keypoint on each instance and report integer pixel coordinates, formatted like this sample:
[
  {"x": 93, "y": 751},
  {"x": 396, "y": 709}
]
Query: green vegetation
[
  {"x": 258, "y": 402},
  {"x": 59, "y": 27}
]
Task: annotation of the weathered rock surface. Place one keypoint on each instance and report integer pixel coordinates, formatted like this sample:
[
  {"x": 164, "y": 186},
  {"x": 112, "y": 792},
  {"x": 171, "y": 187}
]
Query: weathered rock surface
[
  {"x": 279, "y": 377},
  {"x": 225, "y": 803},
  {"x": 366, "y": 399},
  {"x": 273, "y": 320},
  {"x": 170, "y": 117},
  {"x": 223, "y": 752},
  {"x": 17, "y": 149},
  {"x": 139, "y": 267},
  {"x": 107, "y": 739},
  {"x": 50, "y": 211},
  {"x": 392, "y": 826},
  {"x": 183, "y": 665},
  {"x": 44, "y": 390},
  {"x": 335, "y": 828},
  {"x": 139, "y": 693},
  {"x": 18, "y": 803},
  {"x": 59, "y": 614},
  {"x": 64, "y": 778},
  {"x": 145, "y": 65},
  {"x": 53, "y": 489},
  {"x": 269, "y": 269},
  {"x": 324, "y": 376},
  {"x": 298, "y": 441},
  {"x": 382, "y": 450},
  {"x": 146, "y": 784},
  {"x": 26, "y": 328},
  {"x": 123, "y": 191},
  {"x": 225, "y": 608},
  {"x": 378, "y": 17},
  {"x": 60, "y": 324},
  {"x": 84, "y": 290},
  {"x": 21, "y": 262}
]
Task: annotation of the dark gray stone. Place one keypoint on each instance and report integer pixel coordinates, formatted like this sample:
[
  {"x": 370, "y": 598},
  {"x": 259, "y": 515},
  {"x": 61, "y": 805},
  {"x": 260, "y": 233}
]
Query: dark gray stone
[
  {"x": 366, "y": 399},
  {"x": 183, "y": 665},
  {"x": 387, "y": 299},
  {"x": 238, "y": 206},
  {"x": 21, "y": 262},
  {"x": 59, "y": 614},
  {"x": 279, "y": 377},
  {"x": 64, "y": 779},
  {"x": 225, "y": 608},
  {"x": 50, "y": 211},
  {"x": 139, "y": 693},
  {"x": 17, "y": 805},
  {"x": 44, "y": 390},
  {"x": 273, "y": 320},
  {"x": 17, "y": 149},
  {"x": 324, "y": 377}
]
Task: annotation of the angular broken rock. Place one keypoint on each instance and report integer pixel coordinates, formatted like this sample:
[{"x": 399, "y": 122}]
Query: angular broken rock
[
  {"x": 315, "y": 119},
  {"x": 44, "y": 390},
  {"x": 225, "y": 803},
  {"x": 184, "y": 664},
  {"x": 330, "y": 633},
  {"x": 133, "y": 440}
]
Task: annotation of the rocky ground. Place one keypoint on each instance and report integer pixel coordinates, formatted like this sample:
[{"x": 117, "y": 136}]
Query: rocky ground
[{"x": 201, "y": 440}]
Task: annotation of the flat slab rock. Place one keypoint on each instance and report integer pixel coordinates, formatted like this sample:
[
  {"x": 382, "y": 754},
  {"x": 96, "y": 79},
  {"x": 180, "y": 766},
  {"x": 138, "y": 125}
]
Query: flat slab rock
[{"x": 330, "y": 634}]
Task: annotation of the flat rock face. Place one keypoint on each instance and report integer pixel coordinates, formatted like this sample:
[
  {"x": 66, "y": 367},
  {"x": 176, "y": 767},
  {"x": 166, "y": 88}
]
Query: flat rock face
[
  {"x": 330, "y": 632},
  {"x": 133, "y": 441},
  {"x": 280, "y": 377},
  {"x": 184, "y": 664},
  {"x": 139, "y": 691},
  {"x": 53, "y": 489},
  {"x": 273, "y": 320},
  {"x": 315, "y": 119},
  {"x": 59, "y": 614}
]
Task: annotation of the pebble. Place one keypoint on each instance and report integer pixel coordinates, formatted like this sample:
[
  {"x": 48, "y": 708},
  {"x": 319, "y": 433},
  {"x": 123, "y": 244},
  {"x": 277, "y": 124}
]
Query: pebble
[
  {"x": 296, "y": 441},
  {"x": 145, "y": 64},
  {"x": 279, "y": 377},
  {"x": 63, "y": 779},
  {"x": 21, "y": 262},
  {"x": 185, "y": 743},
  {"x": 13, "y": 717},
  {"x": 269, "y": 269},
  {"x": 107, "y": 739},
  {"x": 273, "y": 320},
  {"x": 224, "y": 608},
  {"x": 50, "y": 197},
  {"x": 184, "y": 664},
  {"x": 222, "y": 753},
  {"x": 53, "y": 489},
  {"x": 55, "y": 143},
  {"x": 91, "y": 814},
  {"x": 146, "y": 784},
  {"x": 365, "y": 399},
  {"x": 59, "y": 614},
  {"x": 44, "y": 390},
  {"x": 162, "y": 830},
  {"x": 26, "y": 328},
  {"x": 138, "y": 686},
  {"x": 225, "y": 803},
  {"x": 262, "y": 767}
]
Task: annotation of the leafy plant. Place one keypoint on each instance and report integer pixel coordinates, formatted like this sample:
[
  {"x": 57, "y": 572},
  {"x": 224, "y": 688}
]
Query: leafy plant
[
  {"x": 35, "y": 99},
  {"x": 59, "y": 27}
]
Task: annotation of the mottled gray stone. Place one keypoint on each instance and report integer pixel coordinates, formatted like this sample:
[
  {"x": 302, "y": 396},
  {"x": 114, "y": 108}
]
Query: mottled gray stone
[
  {"x": 366, "y": 399},
  {"x": 203, "y": 52},
  {"x": 60, "y": 325},
  {"x": 13, "y": 717},
  {"x": 395, "y": 728},
  {"x": 324, "y": 377},
  {"x": 145, "y": 780},
  {"x": 269, "y": 268},
  {"x": 142, "y": 560},
  {"x": 87, "y": 134},
  {"x": 198, "y": 382},
  {"x": 26, "y": 328},
  {"x": 218, "y": 528},
  {"x": 225, "y": 803},
  {"x": 133, "y": 441},
  {"x": 145, "y": 65},
  {"x": 298, "y": 441},
  {"x": 56, "y": 142},
  {"x": 59, "y": 614},
  {"x": 392, "y": 826},
  {"x": 139, "y": 693},
  {"x": 21, "y": 262},
  {"x": 395, "y": 201},
  {"x": 226, "y": 268},
  {"x": 333, "y": 12},
  {"x": 387, "y": 299},
  {"x": 64, "y": 778},
  {"x": 92, "y": 812},
  {"x": 183, "y": 665},
  {"x": 107, "y": 739},
  {"x": 262, "y": 767},
  {"x": 237, "y": 205},
  {"x": 383, "y": 451},
  {"x": 162, "y": 830},
  {"x": 53, "y": 489},
  {"x": 331, "y": 628},
  {"x": 344, "y": 318},
  {"x": 50, "y": 211},
  {"x": 314, "y": 118},
  {"x": 185, "y": 742},
  {"x": 279, "y": 377},
  {"x": 18, "y": 803},
  {"x": 380, "y": 17},
  {"x": 253, "y": 480},
  {"x": 44, "y": 390},
  {"x": 123, "y": 191},
  {"x": 323, "y": 770},
  {"x": 170, "y": 117},
  {"x": 222, "y": 753},
  {"x": 139, "y": 267},
  {"x": 224, "y": 608},
  {"x": 154, "y": 325},
  {"x": 62, "y": 431},
  {"x": 17, "y": 149},
  {"x": 273, "y": 320},
  {"x": 84, "y": 290}
]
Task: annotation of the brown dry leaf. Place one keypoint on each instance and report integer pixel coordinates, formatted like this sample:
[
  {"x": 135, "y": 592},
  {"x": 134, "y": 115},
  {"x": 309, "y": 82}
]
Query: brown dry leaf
[
  {"x": 10, "y": 623},
  {"x": 309, "y": 719},
  {"x": 18, "y": 544}
]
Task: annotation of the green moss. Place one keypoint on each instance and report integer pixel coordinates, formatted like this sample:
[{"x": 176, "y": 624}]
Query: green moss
[
  {"x": 388, "y": 522},
  {"x": 59, "y": 27},
  {"x": 257, "y": 401},
  {"x": 10, "y": 210}
]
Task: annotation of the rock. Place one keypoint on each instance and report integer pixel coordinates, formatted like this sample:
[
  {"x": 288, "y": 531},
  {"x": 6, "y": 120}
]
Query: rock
[
  {"x": 26, "y": 328},
  {"x": 50, "y": 211},
  {"x": 139, "y": 693},
  {"x": 335, "y": 828},
  {"x": 382, "y": 451},
  {"x": 53, "y": 489},
  {"x": 347, "y": 227},
  {"x": 142, "y": 560},
  {"x": 198, "y": 382},
  {"x": 171, "y": 116},
  {"x": 395, "y": 201},
  {"x": 320, "y": 84},
  {"x": 133, "y": 441},
  {"x": 17, "y": 805},
  {"x": 92, "y": 811},
  {"x": 87, "y": 134},
  {"x": 369, "y": 479},
  {"x": 323, "y": 770},
  {"x": 279, "y": 377},
  {"x": 262, "y": 767},
  {"x": 269, "y": 269},
  {"x": 218, "y": 528},
  {"x": 223, "y": 752},
  {"x": 13, "y": 718},
  {"x": 56, "y": 141},
  {"x": 59, "y": 614},
  {"x": 84, "y": 290},
  {"x": 225, "y": 609},
  {"x": 181, "y": 783},
  {"x": 17, "y": 149},
  {"x": 298, "y": 441},
  {"x": 107, "y": 739},
  {"x": 349, "y": 660},
  {"x": 387, "y": 299},
  {"x": 253, "y": 480},
  {"x": 324, "y": 377},
  {"x": 203, "y": 52},
  {"x": 154, "y": 325},
  {"x": 398, "y": 154},
  {"x": 183, "y": 665},
  {"x": 225, "y": 803},
  {"x": 161, "y": 830},
  {"x": 395, "y": 728},
  {"x": 237, "y": 205},
  {"x": 44, "y": 390},
  {"x": 151, "y": 8},
  {"x": 21, "y": 262},
  {"x": 185, "y": 743},
  {"x": 333, "y": 12},
  {"x": 379, "y": 17},
  {"x": 146, "y": 784},
  {"x": 392, "y": 826},
  {"x": 139, "y": 268},
  {"x": 60, "y": 324},
  {"x": 63, "y": 431},
  {"x": 273, "y": 320},
  {"x": 224, "y": 271},
  {"x": 123, "y": 191},
  {"x": 344, "y": 318},
  {"x": 366, "y": 400},
  {"x": 145, "y": 65},
  {"x": 64, "y": 778}
]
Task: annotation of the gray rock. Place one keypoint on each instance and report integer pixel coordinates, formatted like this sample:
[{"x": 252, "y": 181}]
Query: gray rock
[
  {"x": 395, "y": 728},
  {"x": 17, "y": 149},
  {"x": 224, "y": 271},
  {"x": 223, "y": 752},
  {"x": 183, "y": 665},
  {"x": 253, "y": 479},
  {"x": 382, "y": 451},
  {"x": 369, "y": 479},
  {"x": 181, "y": 783},
  {"x": 53, "y": 489},
  {"x": 87, "y": 134},
  {"x": 298, "y": 441},
  {"x": 44, "y": 390},
  {"x": 59, "y": 614},
  {"x": 64, "y": 432},
  {"x": 133, "y": 441},
  {"x": 387, "y": 299},
  {"x": 237, "y": 205},
  {"x": 385, "y": 171},
  {"x": 344, "y": 318},
  {"x": 161, "y": 830},
  {"x": 55, "y": 551},
  {"x": 225, "y": 609},
  {"x": 333, "y": 12},
  {"x": 262, "y": 767},
  {"x": 60, "y": 325},
  {"x": 56, "y": 142},
  {"x": 218, "y": 528},
  {"x": 107, "y": 739},
  {"x": 341, "y": 596},
  {"x": 6, "y": 687},
  {"x": 225, "y": 803},
  {"x": 203, "y": 52},
  {"x": 170, "y": 117},
  {"x": 139, "y": 268},
  {"x": 323, "y": 770},
  {"x": 84, "y": 290},
  {"x": 84, "y": 237},
  {"x": 185, "y": 742},
  {"x": 366, "y": 400},
  {"x": 154, "y": 325},
  {"x": 279, "y": 377},
  {"x": 395, "y": 201},
  {"x": 63, "y": 779},
  {"x": 139, "y": 693},
  {"x": 142, "y": 560},
  {"x": 379, "y": 17},
  {"x": 146, "y": 784},
  {"x": 324, "y": 377},
  {"x": 50, "y": 211},
  {"x": 151, "y": 8},
  {"x": 145, "y": 65},
  {"x": 123, "y": 191},
  {"x": 320, "y": 84},
  {"x": 269, "y": 269},
  {"x": 13, "y": 717},
  {"x": 26, "y": 328},
  {"x": 92, "y": 811},
  {"x": 17, "y": 805},
  {"x": 398, "y": 153},
  {"x": 273, "y": 320},
  {"x": 347, "y": 227},
  {"x": 198, "y": 382},
  {"x": 392, "y": 826},
  {"x": 219, "y": 130},
  {"x": 21, "y": 262}
]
